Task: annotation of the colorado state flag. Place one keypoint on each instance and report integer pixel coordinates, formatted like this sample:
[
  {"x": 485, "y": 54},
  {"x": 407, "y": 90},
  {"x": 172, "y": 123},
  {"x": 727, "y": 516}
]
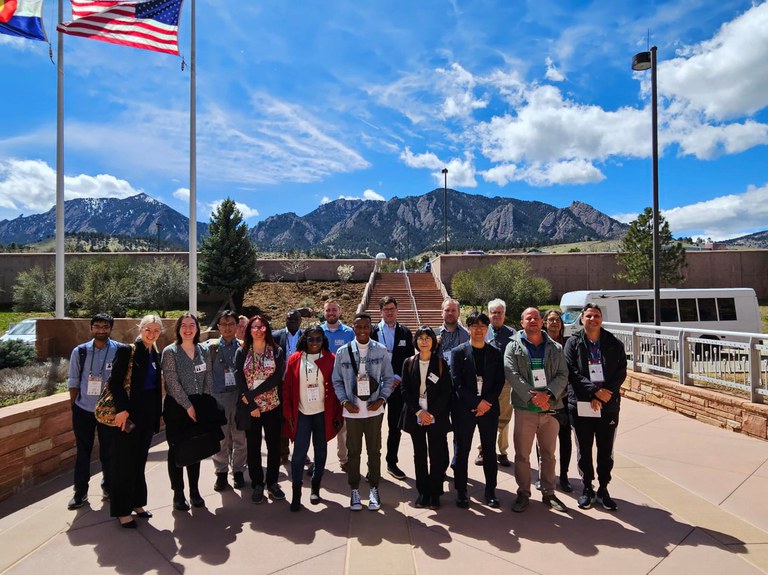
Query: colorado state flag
[{"x": 22, "y": 18}]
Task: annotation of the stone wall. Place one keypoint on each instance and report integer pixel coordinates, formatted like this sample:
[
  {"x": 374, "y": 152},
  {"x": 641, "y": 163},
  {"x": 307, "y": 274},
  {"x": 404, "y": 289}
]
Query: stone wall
[
  {"x": 707, "y": 406},
  {"x": 36, "y": 442}
]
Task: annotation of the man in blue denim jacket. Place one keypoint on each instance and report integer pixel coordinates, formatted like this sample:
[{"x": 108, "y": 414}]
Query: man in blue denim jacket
[{"x": 362, "y": 379}]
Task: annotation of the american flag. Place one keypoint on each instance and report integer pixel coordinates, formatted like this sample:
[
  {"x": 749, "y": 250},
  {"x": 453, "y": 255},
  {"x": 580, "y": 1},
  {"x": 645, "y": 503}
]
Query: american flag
[{"x": 152, "y": 25}]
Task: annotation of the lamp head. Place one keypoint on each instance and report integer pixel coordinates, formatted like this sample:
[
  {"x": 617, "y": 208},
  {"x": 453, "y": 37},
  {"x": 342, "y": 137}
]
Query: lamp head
[
  {"x": 445, "y": 170},
  {"x": 641, "y": 61}
]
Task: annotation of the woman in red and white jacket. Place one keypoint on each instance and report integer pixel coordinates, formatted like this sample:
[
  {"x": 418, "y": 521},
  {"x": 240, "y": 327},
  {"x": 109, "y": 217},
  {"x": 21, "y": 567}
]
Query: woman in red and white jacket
[{"x": 310, "y": 408}]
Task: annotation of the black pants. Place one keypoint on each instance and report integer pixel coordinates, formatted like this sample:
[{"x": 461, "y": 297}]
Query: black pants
[
  {"x": 429, "y": 474},
  {"x": 267, "y": 424},
  {"x": 128, "y": 489},
  {"x": 394, "y": 407},
  {"x": 85, "y": 427},
  {"x": 463, "y": 429},
  {"x": 600, "y": 431},
  {"x": 176, "y": 473}
]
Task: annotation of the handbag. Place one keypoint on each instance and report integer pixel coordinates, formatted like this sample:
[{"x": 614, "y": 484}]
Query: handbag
[
  {"x": 105, "y": 410},
  {"x": 197, "y": 447}
]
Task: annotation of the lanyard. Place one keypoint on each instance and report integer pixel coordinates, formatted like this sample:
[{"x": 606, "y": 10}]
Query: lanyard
[
  {"x": 93, "y": 354},
  {"x": 305, "y": 357}
]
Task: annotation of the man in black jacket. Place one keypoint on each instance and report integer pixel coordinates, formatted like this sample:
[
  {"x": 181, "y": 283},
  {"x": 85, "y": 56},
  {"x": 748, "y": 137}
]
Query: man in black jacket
[
  {"x": 477, "y": 373},
  {"x": 399, "y": 342},
  {"x": 597, "y": 366}
]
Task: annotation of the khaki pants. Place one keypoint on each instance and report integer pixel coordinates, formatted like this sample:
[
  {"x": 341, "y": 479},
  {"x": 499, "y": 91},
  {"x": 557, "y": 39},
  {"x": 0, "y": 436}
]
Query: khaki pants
[
  {"x": 543, "y": 427},
  {"x": 370, "y": 428}
]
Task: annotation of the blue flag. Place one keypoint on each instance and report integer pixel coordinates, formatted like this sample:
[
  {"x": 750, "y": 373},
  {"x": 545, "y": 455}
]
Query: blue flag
[{"x": 22, "y": 18}]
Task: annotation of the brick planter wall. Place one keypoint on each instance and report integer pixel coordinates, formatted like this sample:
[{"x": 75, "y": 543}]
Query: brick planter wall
[
  {"x": 36, "y": 442},
  {"x": 708, "y": 406}
]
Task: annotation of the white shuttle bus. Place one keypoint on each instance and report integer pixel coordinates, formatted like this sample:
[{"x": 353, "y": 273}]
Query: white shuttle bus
[{"x": 704, "y": 310}]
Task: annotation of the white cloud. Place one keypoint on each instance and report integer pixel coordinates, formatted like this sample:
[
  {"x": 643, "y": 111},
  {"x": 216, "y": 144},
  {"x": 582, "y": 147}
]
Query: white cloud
[
  {"x": 625, "y": 218},
  {"x": 247, "y": 211},
  {"x": 372, "y": 195},
  {"x": 461, "y": 172},
  {"x": 458, "y": 85},
  {"x": 553, "y": 74},
  {"x": 722, "y": 217},
  {"x": 182, "y": 194},
  {"x": 725, "y": 77},
  {"x": 30, "y": 185},
  {"x": 325, "y": 200},
  {"x": 426, "y": 160}
]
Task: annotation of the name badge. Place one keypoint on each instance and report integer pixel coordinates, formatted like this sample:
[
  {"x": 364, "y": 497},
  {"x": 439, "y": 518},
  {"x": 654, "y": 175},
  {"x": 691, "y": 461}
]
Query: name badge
[
  {"x": 338, "y": 342},
  {"x": 94, "y": 385},
  {"x": 433, "y": 378},
  {"x": 229, "y": 379},
  {"x": 401, "y": 344},
  {"x": 200, "y": 368},
  {"x": 269, "y": 363},
  {"x": 447, "y": 357},
  {"x": 479, "y": 385},
  {"x": 363, "y": 385},
  {"x": 596, "y": 373},
  {"x": 423, "y": 402},
  {"x": 313, "y": 393},
  {"x": 539, "y": 379},
  {"x": 108, "y": 367}
]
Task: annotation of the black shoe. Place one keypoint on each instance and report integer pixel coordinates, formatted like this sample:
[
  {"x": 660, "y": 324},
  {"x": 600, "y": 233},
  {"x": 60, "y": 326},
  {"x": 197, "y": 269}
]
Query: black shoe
[
  {"x": 296, "y": 498},
  {"x": 196, "y": 500},
  {"x": 604, "y": 499},
  {"x": 565, "y": 485},
  {"x": 421, "y": 502},
  {"x": 462, "y": 501},
  {"x": 537, "y": 484},
  {"x": 492, "y": 502},
  {"x": 587, "y": 498},
  {"x": 396, "y": 472},
  {"x": 129, "y": 525},
  {"x": 238, "y": 480},
  {"x": 553, "y": 502},
  {"x": 180, "y": 502},
  {"x": 275, "y": 492},
  {"x": 314, "y": 495},
  {"x": 144, "y": 514},
  {"x": 479, "y": 459},
  {"x": 504, "y": 461},
  {"x": 221, "y": 482},
  {"x": 434, "y": 502},
  {"x": 77, "y": 501},
  {"x": 520, "y": 504},
  {"x": 258, "y": 494}
]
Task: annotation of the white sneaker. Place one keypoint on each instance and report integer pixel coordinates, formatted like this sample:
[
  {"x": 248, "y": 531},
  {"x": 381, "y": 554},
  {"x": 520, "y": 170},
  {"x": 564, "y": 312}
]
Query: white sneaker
[
  {"x": 373, "y": 499},
  {"x": 354, "y": 502}
]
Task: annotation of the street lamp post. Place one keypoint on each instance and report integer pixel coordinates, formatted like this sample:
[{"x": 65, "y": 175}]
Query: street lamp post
[
  {"x": 445, "y": 207},
  {"x": 640, "y": 62}
]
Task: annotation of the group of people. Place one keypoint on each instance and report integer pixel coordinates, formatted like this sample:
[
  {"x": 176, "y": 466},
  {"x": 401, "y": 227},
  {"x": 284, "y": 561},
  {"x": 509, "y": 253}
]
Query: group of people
[{"x": 307, "y": 386}]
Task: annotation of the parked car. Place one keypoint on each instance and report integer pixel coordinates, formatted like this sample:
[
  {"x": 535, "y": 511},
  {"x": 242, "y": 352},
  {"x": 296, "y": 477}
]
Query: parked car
[{"x": 25, "y": 330}]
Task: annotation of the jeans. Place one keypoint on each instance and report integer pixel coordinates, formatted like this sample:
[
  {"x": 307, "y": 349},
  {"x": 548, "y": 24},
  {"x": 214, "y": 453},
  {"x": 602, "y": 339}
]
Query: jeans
[{"x": 309, "y": 427}]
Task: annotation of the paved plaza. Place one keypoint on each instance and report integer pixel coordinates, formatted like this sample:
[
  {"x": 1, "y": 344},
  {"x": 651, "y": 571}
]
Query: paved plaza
[{"x": 692, "y": 499}]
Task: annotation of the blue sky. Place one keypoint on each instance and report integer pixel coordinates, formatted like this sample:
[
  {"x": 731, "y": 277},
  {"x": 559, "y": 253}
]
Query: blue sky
[{"x": 299, "y": 103}]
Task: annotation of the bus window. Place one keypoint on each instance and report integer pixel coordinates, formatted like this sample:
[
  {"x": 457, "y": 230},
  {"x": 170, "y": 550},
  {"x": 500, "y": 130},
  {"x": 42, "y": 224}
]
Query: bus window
[
  {"x": 726, "y": 308},
  {"x": 646, "y": 310},
  {"x": 688, "y": 309},
  {"x": 628, "y": 311},
  {"x": 707, "y": 309},
  {"x": 669, "y": 310}
]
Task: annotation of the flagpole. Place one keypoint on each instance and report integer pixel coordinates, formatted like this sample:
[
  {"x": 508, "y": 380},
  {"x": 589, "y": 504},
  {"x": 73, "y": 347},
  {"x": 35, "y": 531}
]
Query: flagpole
[
  {"x": 59, "y": 266},
  {"x": 192, "y": 170}
]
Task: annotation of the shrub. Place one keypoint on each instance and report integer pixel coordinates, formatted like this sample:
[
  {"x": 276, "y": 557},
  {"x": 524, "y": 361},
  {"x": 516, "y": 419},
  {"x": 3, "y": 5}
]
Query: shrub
[
  {"x": 16, "y": 353},
  {"x": 345, "y": 271},
  {"x": 509, "y": 279}
]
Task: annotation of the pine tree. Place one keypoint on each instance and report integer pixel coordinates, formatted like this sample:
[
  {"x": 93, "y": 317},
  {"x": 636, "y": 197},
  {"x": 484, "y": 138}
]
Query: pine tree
[
  {"x": 228, "y": 257},
  {"x": 636, "y": 253}
]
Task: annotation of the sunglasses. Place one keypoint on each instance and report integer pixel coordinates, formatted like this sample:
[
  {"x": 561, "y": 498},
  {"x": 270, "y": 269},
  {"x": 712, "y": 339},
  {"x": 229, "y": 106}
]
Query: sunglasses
[
  {"x": 314, "y": 340},
  {"x": 258, "y": 328}
]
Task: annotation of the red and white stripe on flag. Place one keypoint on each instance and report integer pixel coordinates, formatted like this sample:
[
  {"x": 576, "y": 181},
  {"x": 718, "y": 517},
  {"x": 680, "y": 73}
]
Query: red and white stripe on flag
[{"x": 151, "y": 25}]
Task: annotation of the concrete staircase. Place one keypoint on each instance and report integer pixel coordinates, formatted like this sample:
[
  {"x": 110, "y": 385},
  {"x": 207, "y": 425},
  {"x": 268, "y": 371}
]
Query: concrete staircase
[{"x": 427, "y": 295}]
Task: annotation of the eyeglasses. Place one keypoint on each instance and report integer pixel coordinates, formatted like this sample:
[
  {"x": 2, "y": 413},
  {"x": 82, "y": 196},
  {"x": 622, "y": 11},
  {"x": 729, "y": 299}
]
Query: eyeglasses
[
  {"x": 314, "y": 340},
  {"x": 258, "y": 328},
  {"x": 227, "y": 324},
  {"x": 553, "y": 320}
]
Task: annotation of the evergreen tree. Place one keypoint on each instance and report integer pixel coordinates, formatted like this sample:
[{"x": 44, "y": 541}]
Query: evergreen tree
[
  {"x": 228, "y": 257},
  {"x": 636, "y": 253}
]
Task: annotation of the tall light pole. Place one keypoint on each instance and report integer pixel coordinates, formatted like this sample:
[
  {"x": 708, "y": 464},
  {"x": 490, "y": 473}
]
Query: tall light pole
[
  {"x": 640, "y": 62},
  {"x": 445, "y": 207}
]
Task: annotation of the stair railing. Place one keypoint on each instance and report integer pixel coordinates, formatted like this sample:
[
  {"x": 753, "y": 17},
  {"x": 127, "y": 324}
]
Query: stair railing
[{"x": 413, "y": 299}]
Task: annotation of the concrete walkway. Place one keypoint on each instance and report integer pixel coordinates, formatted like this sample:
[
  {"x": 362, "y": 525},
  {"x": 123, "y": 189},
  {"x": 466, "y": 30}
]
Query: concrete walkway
[{"x": 692, "y": 499}]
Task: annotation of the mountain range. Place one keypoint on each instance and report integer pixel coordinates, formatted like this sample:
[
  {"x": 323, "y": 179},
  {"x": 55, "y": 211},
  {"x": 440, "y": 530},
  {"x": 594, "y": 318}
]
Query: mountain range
[{"x": 351, "y": 227}]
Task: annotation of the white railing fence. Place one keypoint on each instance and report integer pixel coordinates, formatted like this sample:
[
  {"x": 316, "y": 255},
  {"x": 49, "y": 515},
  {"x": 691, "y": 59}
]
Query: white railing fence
[{"x": 734, "y": 361}]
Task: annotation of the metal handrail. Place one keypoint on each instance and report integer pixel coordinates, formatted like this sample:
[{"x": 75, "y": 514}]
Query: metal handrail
[{"x": 413, "y": 299}]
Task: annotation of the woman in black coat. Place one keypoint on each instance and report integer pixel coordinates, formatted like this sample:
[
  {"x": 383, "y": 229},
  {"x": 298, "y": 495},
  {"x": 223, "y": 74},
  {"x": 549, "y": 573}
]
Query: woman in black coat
[
  {"x": 426, "y": 389},
  {"x": 136, "y": 420}
]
